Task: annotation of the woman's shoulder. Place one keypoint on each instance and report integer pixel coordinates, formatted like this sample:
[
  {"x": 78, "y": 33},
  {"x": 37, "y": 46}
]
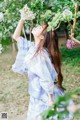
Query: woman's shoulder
[{"x": 24, "y": 43}]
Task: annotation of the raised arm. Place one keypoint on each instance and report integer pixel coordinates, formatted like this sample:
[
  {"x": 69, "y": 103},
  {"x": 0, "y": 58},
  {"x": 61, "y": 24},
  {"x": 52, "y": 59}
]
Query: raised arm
[
  {"x": 26, "y": 14},
  {"x": 18, "y": 30}
]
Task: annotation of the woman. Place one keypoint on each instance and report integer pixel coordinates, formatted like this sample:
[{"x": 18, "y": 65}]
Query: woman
[{"x": 41, "y": 60}]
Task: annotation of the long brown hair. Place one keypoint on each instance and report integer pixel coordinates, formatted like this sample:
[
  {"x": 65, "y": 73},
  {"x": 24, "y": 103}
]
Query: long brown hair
[{"x": 50, "y": 42}]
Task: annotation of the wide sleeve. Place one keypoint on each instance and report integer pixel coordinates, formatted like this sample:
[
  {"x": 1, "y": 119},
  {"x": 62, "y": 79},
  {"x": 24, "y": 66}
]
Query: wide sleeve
[
  {"x": 23, "y": 47},
  {"x": 42, "y": 67}
]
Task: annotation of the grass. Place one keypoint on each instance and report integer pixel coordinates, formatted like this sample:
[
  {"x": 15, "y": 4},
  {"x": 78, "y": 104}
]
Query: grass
[
  {"x": 71, "y": 67},
  {"x": 71, "y": 71},
  {"x": 13, "y": 88},
  {"x": 14, "y": 96}
]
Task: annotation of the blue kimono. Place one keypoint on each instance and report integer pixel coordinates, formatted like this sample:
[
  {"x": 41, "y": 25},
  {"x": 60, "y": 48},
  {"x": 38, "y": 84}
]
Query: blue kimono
[{"x": 41, "y": 76}]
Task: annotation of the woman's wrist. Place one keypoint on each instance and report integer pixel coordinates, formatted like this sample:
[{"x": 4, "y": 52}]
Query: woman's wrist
[
  {"x": 22, "y": 20},
  {"x": 50, "y": 96},
  {"x": 51, "y": 102}
]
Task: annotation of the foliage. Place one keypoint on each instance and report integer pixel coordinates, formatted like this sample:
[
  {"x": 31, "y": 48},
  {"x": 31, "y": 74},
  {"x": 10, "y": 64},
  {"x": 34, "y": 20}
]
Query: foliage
[
  {"x": 10, "y": 9},
  {"x": 50, "y": 11},
  {"x": 77, "y": 30},
  {"x": 60, "y": 107},
  {"x": 1, "y": 48}
]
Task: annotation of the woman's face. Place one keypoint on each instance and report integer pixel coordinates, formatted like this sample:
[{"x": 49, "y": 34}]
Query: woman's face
[{"x": 37, "y": 31}]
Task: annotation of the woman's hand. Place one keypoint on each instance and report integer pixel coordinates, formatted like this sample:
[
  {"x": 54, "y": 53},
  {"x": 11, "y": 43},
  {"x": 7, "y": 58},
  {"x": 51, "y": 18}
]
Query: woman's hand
[
  {"x": 23, "y": 12},
  {"x": 50, "y": 99},
  {"x": 51, "y": 102},
  {"x": 26, "y": 13},
  {"x": 71, "y": 37}
]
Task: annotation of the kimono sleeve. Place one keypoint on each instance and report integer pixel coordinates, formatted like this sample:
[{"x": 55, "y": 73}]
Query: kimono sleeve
[
  {"x": 23, "y": 47},
  {"x": 45, "y": 71}
]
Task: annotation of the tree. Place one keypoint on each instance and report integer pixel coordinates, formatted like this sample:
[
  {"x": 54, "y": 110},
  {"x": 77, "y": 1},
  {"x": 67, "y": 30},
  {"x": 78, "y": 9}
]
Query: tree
[{"x": 52, "y": 11}]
